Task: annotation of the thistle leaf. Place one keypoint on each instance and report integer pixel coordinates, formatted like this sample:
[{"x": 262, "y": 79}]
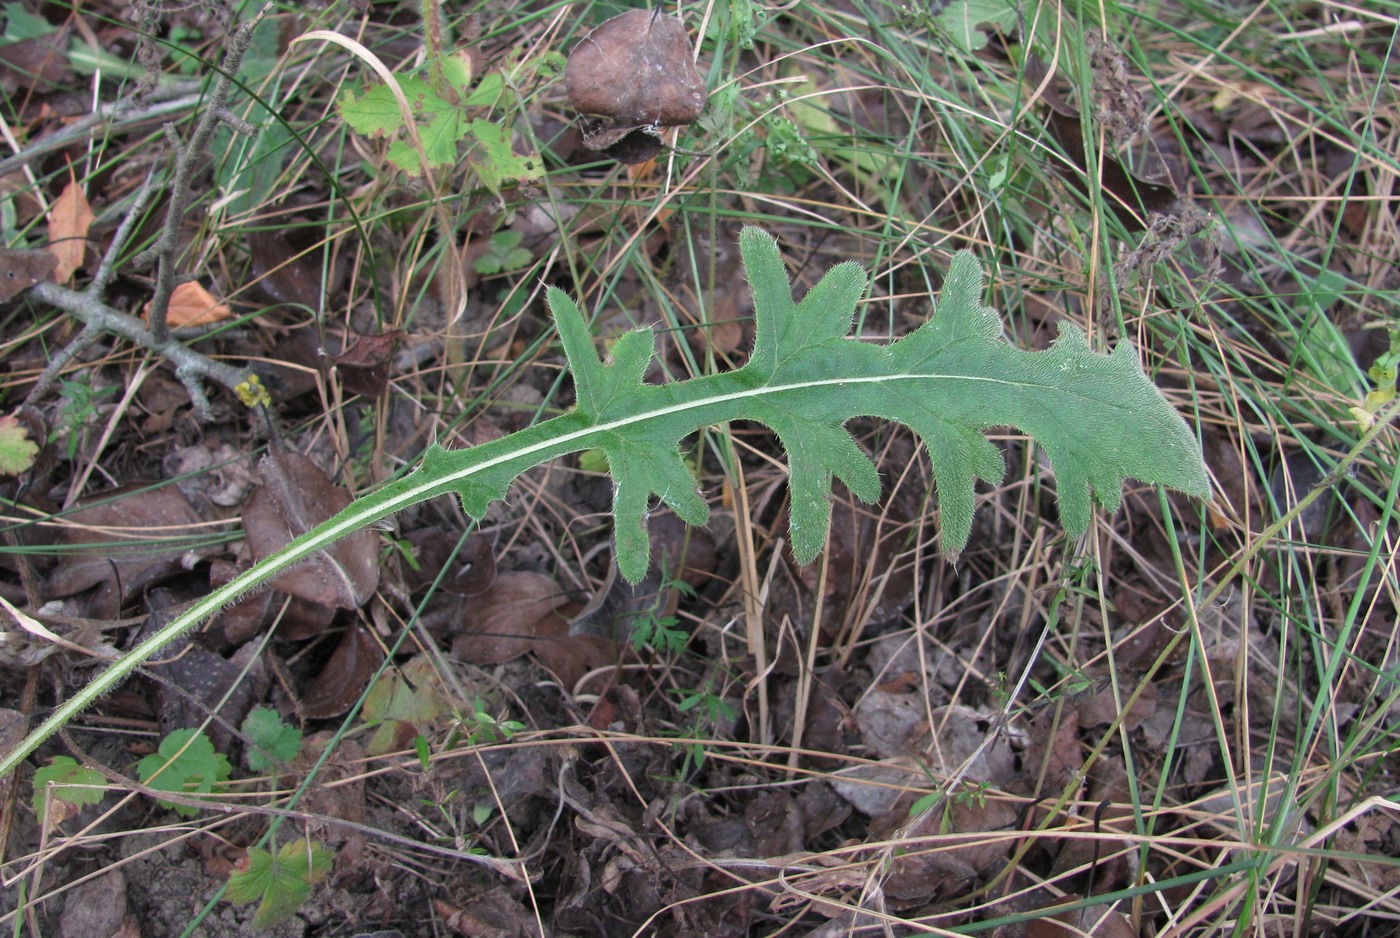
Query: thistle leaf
[{"x": 1098, "y": 417}]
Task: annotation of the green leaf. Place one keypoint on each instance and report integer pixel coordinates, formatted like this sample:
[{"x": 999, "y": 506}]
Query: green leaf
[
  {"x": 186, "y": 763},
  {"x": 17, "y": 450},
  {"x": 488, "y": 92},
  {"x": 272, "y": 741},
  {"x": 281, "y": 883},
  {"x": 62, "y": 773},
  {"x": 20, "y": 24},
  {"x": 1098, "y": 418},
  {"x": 376, "y": 112},
  {"x": 962, "y": 17},
  {"x": 496, "y": 163}
]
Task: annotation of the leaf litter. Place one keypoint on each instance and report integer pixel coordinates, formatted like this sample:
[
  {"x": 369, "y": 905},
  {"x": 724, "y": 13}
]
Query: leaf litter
[{"x": 670, "y": 814}]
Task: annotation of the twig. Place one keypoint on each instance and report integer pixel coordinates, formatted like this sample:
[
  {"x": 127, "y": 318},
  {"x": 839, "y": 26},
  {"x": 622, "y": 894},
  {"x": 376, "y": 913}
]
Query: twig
[
  {"x": 89, "y": 307},
  {"x": 118, "y": 114},
  {"x": 186, "y": 155},
  {"x": 191, "y": 367}
]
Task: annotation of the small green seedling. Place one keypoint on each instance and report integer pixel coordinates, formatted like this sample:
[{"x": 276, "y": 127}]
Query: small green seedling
[
  {"x": 444, "y": 121},
  {"x": 63, "y": 788},
  {"x": 281, "y": 883},
  {"x": 659, "y": 633},
  {"x": 186, "y": 763},
  {"x": 79, "y": 409},
  {"x": 270, "y": 741},
  {"x": 483, "y": 727},
  {"x": 503, "y": 254}
]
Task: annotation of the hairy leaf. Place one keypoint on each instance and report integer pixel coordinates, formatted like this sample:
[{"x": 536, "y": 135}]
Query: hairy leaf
[{"x": 1098, "y": 417}]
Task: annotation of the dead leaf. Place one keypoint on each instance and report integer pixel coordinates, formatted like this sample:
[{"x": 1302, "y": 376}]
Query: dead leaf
[
  {"x": 1131, "y": 198},
  {"x": 284, "y": 272},
  {"x": 364, "y": 366},
  {"x": 949, "y": 864},
  {"x": 295, "y": 497},
  {"x": 570, "y": 657},
  {"x": 632, "y": 74},
  {"x": 20, "y": 270},
  {"x": 70, "y": 217},
  {"x": 121, "y": 540},
  {"x": 472, "y": 570},
  {"x": 504, "y": 622},
  {"x": 191, "y": 305},
  {"x": 1095, "y": 921},
  {"x": 490, "y": 913},
  {"x": 352, "y": 665}
]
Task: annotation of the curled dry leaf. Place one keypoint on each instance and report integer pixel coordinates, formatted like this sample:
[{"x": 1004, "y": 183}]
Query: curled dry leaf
[
  {"x": 523, "y": 612},
  {"x": 295, "y": 497},
  {"x": 70, "y": 217},
  {"x": 192, "y": 305},
  {"x": 633, "y": 74},
  {"x": 285, "y": 269},
  {"x": 364, "y": 366},
  {"x": 505, "y": 622},
  {"x": 351, "y": 667}
]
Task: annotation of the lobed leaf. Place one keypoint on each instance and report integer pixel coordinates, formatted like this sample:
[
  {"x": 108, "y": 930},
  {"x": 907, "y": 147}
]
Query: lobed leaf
[{"x": 1098, "y": 418}]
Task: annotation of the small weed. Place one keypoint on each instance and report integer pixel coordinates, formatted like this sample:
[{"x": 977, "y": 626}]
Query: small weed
[
  {"x": 503, "y": 254},
  {"x": 80, "y": 402},
  {"x": 281, "y": 883},
  {"x": 186, "y": 763},
  {"x": 481, "y": 727}
]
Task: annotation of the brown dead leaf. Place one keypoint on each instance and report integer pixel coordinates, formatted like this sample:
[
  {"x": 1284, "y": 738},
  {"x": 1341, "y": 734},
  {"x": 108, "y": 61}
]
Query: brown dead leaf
[
  {"x": 20, "y": 270},
  {"x": 119, "y": 540},
  {"x": 523, "y": 613},
  {"x": 364, "y": 366},
  {"x": 945, "y": 864},
  {"x": 570, "y": 657},
  {"x": 286, "y": 269},
  {"x": 295, "y": 497},
  {"x": 191, "y": 305},
  {"x": 1096, "y": 921},
  {"x": 473, "y": 568},
  {"x": 352, "y": 665},
  {"x": 504, "y": 622},
  {"x": 631, "y": 75},
  {"x": 1130, "y": 197},
  {"x": 491, "y": 914},
  {"x": 70, "y": 217}
]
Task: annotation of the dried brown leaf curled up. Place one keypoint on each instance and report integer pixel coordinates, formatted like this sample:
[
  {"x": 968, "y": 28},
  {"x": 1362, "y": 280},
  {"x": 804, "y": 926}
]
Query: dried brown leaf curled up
[{"x": 631, "y": 75}]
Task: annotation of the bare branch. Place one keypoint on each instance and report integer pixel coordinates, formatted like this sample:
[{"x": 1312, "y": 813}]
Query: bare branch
[{"x": 190, "y": 366}]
